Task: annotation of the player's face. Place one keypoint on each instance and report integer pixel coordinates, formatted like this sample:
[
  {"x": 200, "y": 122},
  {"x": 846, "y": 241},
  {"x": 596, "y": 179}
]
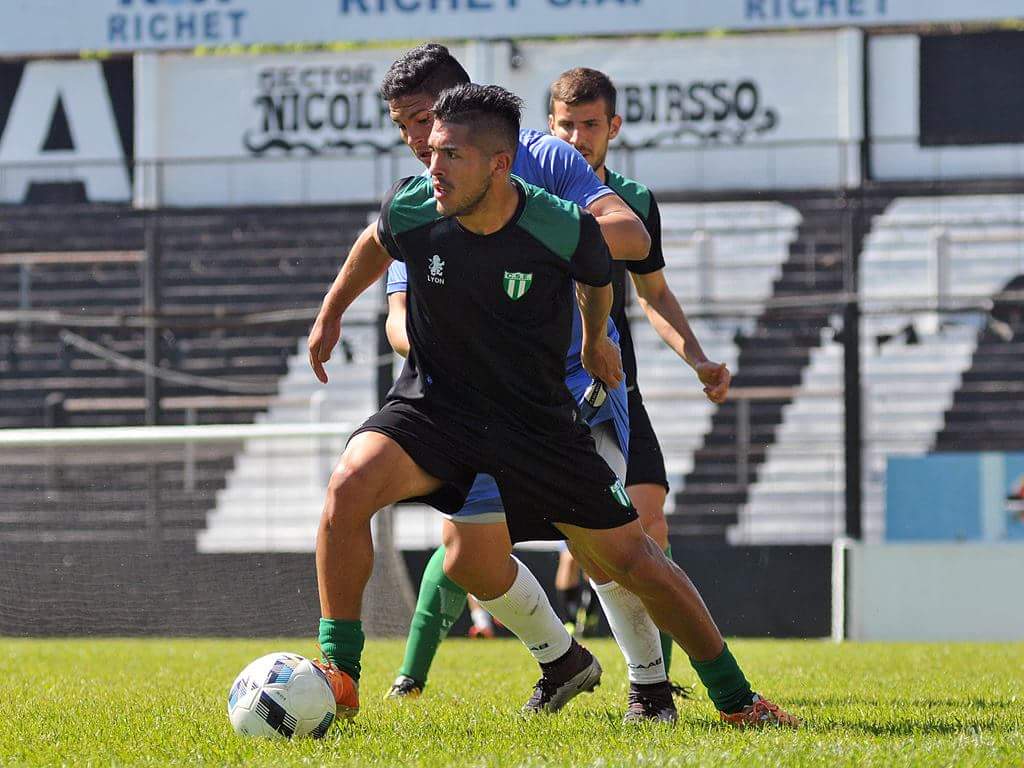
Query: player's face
[
  {"x": 414, "y": 117},
  {"x": 460, "y": 170},
  {"x": 586, "y": 126}
]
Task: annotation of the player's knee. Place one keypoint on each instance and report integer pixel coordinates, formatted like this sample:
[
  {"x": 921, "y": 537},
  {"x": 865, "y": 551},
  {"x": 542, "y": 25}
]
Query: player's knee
[
  {"x": 656, "y": 527},
  {"x": 638, "y": 565},
  {"x": 652, "y": 517},
  {"x": 460, "y": 570},
  {"x": 349, "y": 490}
]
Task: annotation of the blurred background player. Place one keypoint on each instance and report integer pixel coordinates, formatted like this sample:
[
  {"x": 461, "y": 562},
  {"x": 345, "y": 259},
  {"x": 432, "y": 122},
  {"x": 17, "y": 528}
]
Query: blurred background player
[
  {"x": 483, "y": 623},
  {"x": 580, "y": 610},
  {"x": 582, "y": 112}
]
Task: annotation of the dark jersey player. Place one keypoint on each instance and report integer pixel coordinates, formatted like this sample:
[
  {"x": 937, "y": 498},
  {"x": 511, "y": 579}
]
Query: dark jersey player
[
  {"x": 582, "y": 112},
  {"x": 476, "y": 553},
  {"x": 480, "y": 524},
  {"x": 463, "y": 238}
]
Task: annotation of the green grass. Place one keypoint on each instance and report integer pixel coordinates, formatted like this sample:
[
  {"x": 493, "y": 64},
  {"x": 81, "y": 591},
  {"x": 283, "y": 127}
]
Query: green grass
[{"x": 155, "y": 702}]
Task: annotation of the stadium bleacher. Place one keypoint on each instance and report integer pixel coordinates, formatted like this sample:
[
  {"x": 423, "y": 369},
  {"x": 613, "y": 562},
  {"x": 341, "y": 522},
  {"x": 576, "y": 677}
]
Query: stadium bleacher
[
  {"x": 722, "y": 257},
  {"x": 773, "y": 352},
  {"x": 85, "y": 263},
  {"x": 920, "y": 249}
]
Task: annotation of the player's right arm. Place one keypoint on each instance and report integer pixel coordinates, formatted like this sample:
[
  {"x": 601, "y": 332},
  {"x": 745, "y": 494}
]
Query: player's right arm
[{"x": 367, "y": 261}]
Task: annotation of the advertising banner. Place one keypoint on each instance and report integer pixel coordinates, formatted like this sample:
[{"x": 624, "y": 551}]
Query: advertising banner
[
  {"x": 66, "y": 124},
  {"x": 39, "y": 27},
  {"x": 755, "y": 111},
  {"x": 267, "y": 129},
  {"x": 739, "y": 113}
]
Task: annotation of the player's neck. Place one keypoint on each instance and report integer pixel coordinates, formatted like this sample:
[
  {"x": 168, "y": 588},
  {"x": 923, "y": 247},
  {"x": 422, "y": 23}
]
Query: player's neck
[
  {"x": 494, "y": 211},
  {"x": 602, "y": 172}
]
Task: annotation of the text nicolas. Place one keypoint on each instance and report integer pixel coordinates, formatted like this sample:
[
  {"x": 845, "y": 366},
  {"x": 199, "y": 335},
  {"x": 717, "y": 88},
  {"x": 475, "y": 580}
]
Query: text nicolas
[{"x": 316, "y": 109}]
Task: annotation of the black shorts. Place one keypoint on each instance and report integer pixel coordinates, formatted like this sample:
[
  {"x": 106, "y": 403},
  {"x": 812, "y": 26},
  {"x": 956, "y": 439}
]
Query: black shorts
[
  {"x": 544, "y": 479},
  {"x": 646, "y": 463}
]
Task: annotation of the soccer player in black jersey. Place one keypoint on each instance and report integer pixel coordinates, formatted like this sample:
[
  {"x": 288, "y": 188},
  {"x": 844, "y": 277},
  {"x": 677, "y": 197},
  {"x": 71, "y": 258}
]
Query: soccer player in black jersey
[
  {"x": 582, "y": 112},
  {"x": 491, "y": 265}
]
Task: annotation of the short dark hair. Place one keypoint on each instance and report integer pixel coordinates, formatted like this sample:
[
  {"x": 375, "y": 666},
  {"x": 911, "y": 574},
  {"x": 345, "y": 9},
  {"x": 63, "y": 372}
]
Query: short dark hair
[
  {"x": 581, "y": 86},
  {"x": 489, "y": 110},
  {"x": 429, "y": 68}
]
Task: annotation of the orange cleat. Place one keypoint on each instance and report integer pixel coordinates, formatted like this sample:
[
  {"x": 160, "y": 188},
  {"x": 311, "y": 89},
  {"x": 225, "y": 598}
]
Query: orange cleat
[
  {"x": 343, "y": 686},
  {"x": 759, "y": 714}
]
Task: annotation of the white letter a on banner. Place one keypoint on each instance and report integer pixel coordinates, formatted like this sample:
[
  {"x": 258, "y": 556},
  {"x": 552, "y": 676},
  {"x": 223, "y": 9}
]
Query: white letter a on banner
[{"x": 62, "y": 128}]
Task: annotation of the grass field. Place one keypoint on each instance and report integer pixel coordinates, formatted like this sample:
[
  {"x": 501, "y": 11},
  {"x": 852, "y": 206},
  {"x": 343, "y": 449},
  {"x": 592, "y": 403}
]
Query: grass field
[{"x": 160, "y": 702}]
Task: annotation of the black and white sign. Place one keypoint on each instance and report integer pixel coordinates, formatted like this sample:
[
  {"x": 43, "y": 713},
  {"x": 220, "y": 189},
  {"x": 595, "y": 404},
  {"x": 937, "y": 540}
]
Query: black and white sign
[
  {"x": 720, "y": 113},
  {"x": 66, "y": 123},
  {"x": 936, "y": 117},
  {"x": 267, "y": 129},
  {"x": 46, "y": 26},
  {"x": 318, "y": 108}
]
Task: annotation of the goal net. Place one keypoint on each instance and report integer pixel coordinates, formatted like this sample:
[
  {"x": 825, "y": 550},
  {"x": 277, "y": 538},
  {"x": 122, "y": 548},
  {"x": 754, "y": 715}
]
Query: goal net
[{"x": 198, "y": 530}]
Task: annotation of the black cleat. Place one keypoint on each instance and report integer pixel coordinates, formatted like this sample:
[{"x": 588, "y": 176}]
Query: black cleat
[
  {"x": 681, "y": 691},
  {"x": 404, "y": 687},
  {"x": 651, "y": 703},
  {"x": 562, "y": 680}
]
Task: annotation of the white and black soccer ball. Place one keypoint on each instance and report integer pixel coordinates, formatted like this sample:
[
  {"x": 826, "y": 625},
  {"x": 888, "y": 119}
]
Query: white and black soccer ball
[{"x": 281, "y": 695}]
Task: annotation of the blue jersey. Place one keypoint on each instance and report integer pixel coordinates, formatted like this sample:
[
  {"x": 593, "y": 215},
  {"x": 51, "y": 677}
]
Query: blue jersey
[{"x": 554, "y": 165}]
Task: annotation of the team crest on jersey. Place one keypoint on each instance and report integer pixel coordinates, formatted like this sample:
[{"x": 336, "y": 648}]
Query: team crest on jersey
[
  {"x": 517, "y": 284},
  {"x": 436, "y": 270},
  {"x": 620, "y": 493}
]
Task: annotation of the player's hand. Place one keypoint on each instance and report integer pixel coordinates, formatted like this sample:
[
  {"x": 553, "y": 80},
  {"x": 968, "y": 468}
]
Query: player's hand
[
  {"x": 716, "y": 379},
  {"x": 323, "y": 338},
  {"x": 604, "y": 361}
]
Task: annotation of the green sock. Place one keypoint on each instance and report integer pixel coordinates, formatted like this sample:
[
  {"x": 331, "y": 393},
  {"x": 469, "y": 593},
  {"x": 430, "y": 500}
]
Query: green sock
[
  {"x": 724, "y": 679},
  {"x": 666, "y": 639},
  {"x": 440, "y": 604},
  {"x": 341, "y": 642}
]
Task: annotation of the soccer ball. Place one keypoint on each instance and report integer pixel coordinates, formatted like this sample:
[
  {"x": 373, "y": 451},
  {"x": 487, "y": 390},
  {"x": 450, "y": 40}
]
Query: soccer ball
[{"x": 281, "y": 695}]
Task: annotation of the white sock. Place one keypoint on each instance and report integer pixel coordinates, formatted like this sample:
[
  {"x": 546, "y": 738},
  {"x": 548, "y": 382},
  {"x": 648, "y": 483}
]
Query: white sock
[
  {"x": 527, "y": 612},
  {"x": 481, "y": 618},
  {"x": 634, "y": 631}
]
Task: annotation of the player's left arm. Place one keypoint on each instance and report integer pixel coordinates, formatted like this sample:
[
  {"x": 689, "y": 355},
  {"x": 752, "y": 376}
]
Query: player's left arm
[
  {"x": 667, "y": 317},
  {"x": 590, "y": 267}
]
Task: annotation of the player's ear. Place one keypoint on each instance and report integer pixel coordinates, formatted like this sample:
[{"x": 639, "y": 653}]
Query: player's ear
[
  {"x": 501, "y": 162},
  {"x": 615, "y": 127},
  {"x": 551, "y": 123}
]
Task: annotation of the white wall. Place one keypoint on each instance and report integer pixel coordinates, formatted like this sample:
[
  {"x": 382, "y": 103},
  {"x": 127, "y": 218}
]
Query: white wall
[
  {"x": 895, "y": 127},
  {"x": 947, "y": 592}
]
